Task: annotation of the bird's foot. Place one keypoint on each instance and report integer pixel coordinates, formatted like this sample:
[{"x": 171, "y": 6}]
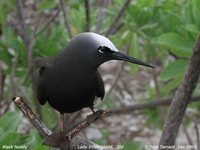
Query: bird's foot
[
  {"x": 96, "y": 114},
  {"x": 59, "y": 140},
  {"x": 92, "y": 108}
]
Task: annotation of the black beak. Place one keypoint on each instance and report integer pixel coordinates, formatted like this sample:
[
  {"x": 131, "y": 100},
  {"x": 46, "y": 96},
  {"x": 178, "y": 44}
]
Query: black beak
[{"x": 122, "y": 56}]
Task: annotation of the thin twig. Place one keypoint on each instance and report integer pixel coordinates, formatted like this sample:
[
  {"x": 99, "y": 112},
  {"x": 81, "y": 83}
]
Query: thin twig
[
  {"x": 182, "y": 98},
  {"x": 197, "y": 134},
  {"x": 34, "y": 120},
  {"x": 119, "y": 15},
  {"x": 102, "y": 7},
  {"x": 28, "y": 45},
  {"x": 117, "y": 28},
  {"x": 45, "y": 26},
  {"x": 87, "y": 14},
  {"x": 150, "y": 105},
  {"x": 63, "y": 140},
  {"x": 87, "y": 122},
  {"x": 157, "y": 92},
  {"x": 58, "y": 139},
  {"x": 114, "y": 81},
  {"x": 187, "y": 134},
  {"x": 2, "y": 79},
  {"x": 71, "y": 119},
  {"x": 118, "y": 73},
  {"x": 66, "y": 18},
  {"x": 13, "y": 87},
  {"x": 7, "y": 106}
]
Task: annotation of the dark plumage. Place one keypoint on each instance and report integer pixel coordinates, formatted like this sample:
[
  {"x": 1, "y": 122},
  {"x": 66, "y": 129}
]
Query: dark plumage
[{"x": 70, "y": 80}]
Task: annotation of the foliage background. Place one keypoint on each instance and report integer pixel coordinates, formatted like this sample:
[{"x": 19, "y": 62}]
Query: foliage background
[{"x": 161, "y": 32}]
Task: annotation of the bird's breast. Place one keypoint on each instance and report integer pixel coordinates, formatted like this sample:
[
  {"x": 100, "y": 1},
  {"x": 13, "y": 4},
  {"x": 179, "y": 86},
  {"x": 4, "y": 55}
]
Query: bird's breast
[{"x": 70, "y": 88}]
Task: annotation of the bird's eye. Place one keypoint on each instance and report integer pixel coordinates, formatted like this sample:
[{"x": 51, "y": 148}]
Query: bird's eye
[{"x": 104, "y": 49}]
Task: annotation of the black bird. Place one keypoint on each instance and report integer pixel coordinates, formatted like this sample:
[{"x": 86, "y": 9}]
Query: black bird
[{"x": 70, "y": 80}]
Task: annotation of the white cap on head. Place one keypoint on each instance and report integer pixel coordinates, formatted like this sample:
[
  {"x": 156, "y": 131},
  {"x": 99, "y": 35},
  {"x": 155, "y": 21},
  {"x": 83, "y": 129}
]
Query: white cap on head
[{"x": 103, "y": 41}]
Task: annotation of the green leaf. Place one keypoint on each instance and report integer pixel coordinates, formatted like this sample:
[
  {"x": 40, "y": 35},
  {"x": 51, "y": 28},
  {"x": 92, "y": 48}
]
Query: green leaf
[
  {"x": 1, "y": 130},
  {"x": 46, "y": 4},
  {"x": 149, "y": 26},
  {"x": 9, "y": 138},
  {"x": 195, "y": 11},
  {"x": 192, "y": 28},
  {"x": 171, "y": 85},
  {"x": 35, "y": 141},
  {"x": 174, "y": 69},
  {"x": 10, "y": 121},
  {"x": 49, "y": 116},
  {"x": 176, "y": 43},
  {"x": 5, "y": 56},
  {"x": 2, "y": 13},
  {"x": 56, "y": 42}
]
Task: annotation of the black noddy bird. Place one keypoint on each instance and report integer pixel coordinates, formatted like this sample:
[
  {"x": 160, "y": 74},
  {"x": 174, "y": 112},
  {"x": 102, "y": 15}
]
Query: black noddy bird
[{"x": 70, "y": 80}]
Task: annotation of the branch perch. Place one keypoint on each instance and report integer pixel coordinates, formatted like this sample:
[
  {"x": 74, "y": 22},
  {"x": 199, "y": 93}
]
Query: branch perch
[
  {"x": 28, "y": 45},
  {"x": 58, "y": 139},
  {"x": 150, "y": 105},
  {"x": 34, "y": 120},
  {"x": 182, "y": 98},
  {"x": 54, "y": 139}
]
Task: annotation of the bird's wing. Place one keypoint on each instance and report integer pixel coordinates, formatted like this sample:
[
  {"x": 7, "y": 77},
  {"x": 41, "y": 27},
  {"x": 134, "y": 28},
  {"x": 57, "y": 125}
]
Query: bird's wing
[
  {"x": 100, "y": 86},
  {"x": 40, "y": 88},
  {"x": 41, "y": 94}
]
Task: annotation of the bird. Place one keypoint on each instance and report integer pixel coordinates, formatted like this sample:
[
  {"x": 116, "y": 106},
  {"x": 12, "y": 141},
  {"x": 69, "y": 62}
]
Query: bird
[{"x": 70, "y": 80}]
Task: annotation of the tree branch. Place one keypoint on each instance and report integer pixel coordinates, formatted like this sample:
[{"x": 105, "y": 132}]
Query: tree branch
[
  {"x": 54, "y": 139},
  {"x": 182, "y": 98},
  {"x": 197, "y": 135},
  {"x": 34, "y": 120},
  {"x": 103, "y": 4},
  {"x": 59, "y": 139},
  {"x": 187, "y": 134},
  {"x": 117, "y": 75},
  {"x": 87, "y": 15},
  {"x": 66, "y": 18},
  {"x": 47, "y": 22},
  {"x": 150, "y": 105},
  {"x": 2, "y": 79},
  {"x": 119, "y": 15},
  {"x": 27, "y": 42}
]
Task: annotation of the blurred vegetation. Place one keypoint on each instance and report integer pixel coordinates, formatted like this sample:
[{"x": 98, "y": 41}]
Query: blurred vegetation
[{"x": 161, "y": 32}]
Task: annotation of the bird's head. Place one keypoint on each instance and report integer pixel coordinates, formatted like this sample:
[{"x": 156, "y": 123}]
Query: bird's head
[{"x": 100, "y": 49}]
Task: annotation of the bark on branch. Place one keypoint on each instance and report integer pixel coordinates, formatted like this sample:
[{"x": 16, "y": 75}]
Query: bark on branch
[
  {"x": 60, "y": 140},
  {"x": 29, "y": 49},
  {"x": 150, "y": 105},
  {"x": 182, "y": 98},
  {"x": 51, "y": 138}
]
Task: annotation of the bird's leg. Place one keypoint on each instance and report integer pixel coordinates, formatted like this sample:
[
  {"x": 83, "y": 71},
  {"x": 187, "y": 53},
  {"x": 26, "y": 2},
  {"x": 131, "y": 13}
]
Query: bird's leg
[
  {"x": 58, "y": 139},
  {"x": 92, "y": 108},
  {"x": 63, "y": 140},
  {"x": 61, "y": 122},
  {"x": 94, "y": 114}
]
